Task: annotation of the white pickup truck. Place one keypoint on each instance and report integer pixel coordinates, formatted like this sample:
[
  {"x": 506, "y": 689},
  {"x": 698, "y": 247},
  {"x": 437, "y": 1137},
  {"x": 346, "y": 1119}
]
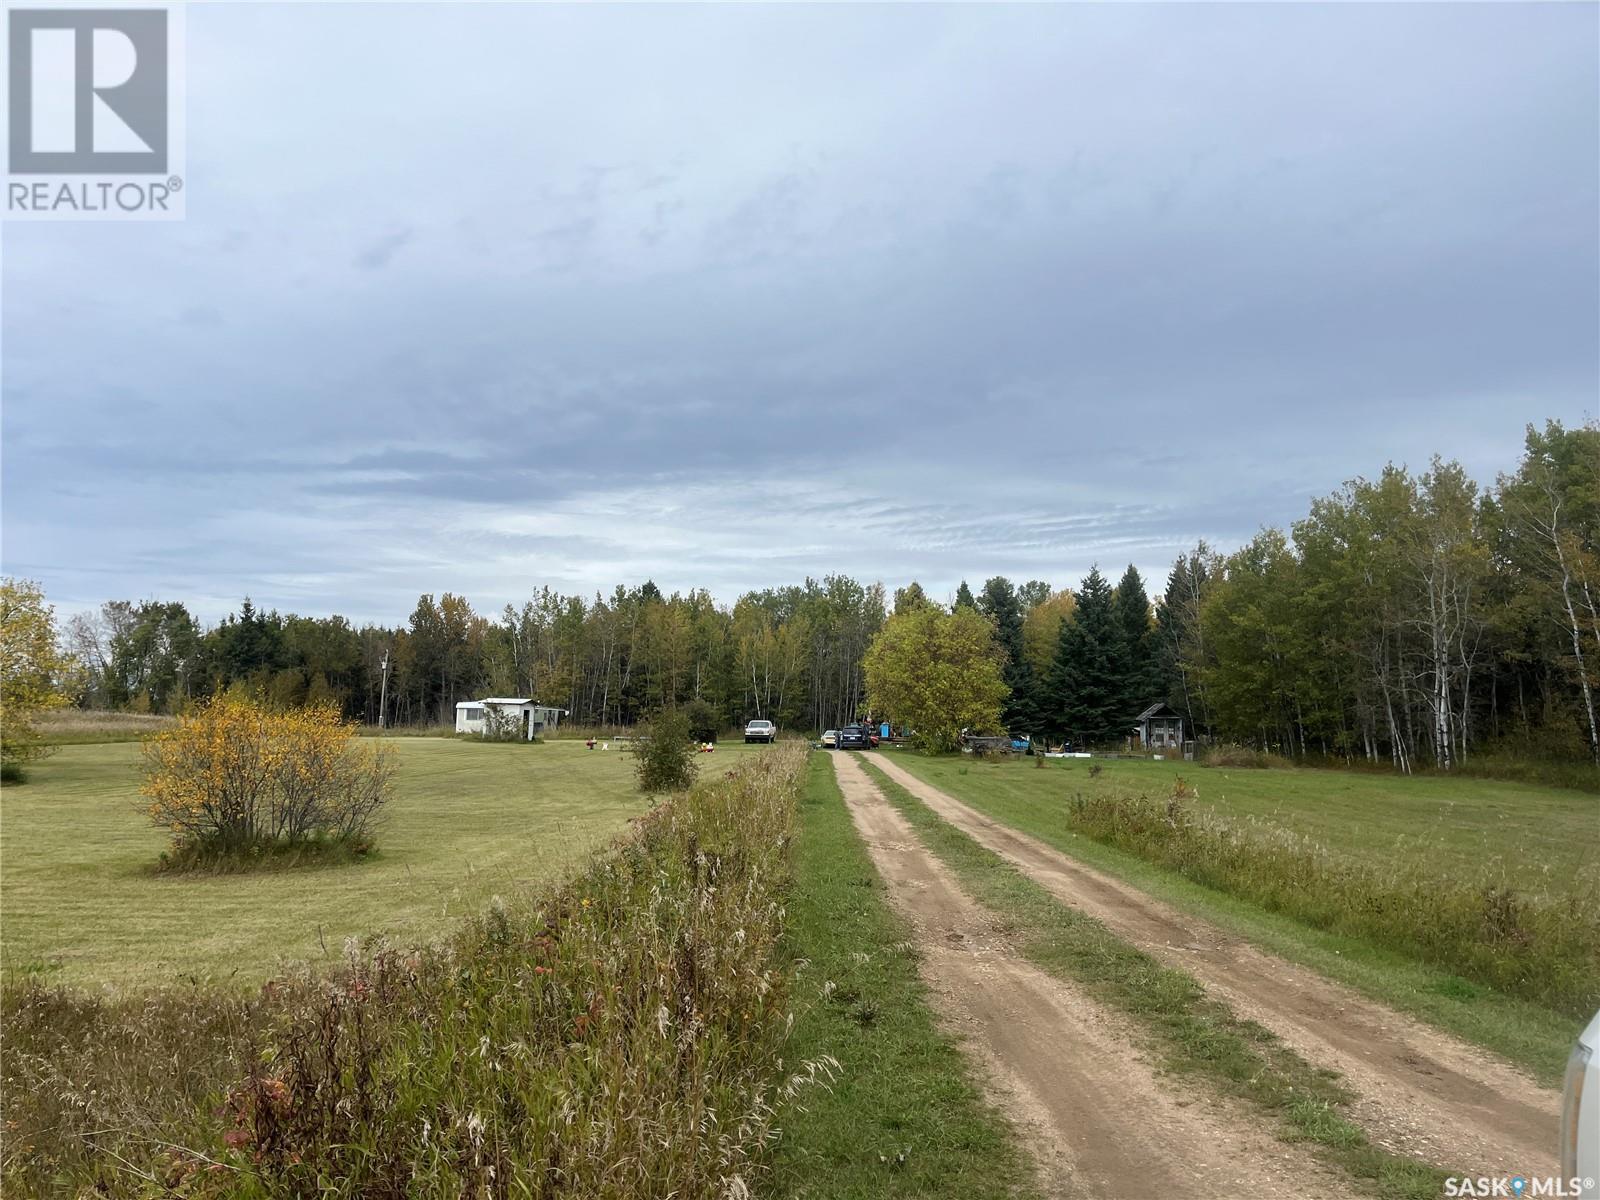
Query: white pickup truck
[{"x": 760, "y": 731}]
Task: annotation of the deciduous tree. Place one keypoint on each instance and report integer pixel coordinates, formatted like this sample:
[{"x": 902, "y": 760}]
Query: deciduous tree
[
  {"x": 34, "y": 674},
  {"x": 938, "y": 673}
]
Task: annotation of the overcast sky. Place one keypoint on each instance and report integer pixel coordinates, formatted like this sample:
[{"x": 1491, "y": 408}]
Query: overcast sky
[{"x": 484, "y": 298}]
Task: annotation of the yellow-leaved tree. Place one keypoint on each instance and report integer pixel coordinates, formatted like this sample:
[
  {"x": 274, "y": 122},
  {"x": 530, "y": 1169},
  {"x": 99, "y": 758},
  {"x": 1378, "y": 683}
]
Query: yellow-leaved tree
[
  {"x": 938, "y": 673},
  {"x": 1041, "y": 630},
  {"x": 34, "y": 674}
]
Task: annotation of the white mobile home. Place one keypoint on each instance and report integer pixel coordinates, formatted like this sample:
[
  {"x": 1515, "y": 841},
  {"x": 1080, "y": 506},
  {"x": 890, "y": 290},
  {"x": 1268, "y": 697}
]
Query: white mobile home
[{"x": 512, "y": 716}]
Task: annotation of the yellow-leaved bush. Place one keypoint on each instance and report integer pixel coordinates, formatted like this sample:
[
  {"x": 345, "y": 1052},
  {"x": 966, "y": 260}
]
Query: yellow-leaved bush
[{"x": 235, "y": 775}]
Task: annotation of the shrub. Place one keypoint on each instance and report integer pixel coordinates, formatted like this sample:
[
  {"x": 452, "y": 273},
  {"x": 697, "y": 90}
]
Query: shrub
[
  {"x": 1247, "y": 757},
  {"x": 502, "y": 726},
  {"x": 665, "y": 753},
  {"x": 235, "y": 779},
  {"x": 702, "y": 721}
]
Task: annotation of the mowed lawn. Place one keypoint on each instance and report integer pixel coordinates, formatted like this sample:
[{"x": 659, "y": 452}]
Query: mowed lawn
[
  {"x": 469, "y": 820},
  {"x": 1545, "y": 838}
]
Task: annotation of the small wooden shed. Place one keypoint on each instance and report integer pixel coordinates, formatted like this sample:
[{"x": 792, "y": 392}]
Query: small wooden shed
[{"x": 1159, "y": 728}]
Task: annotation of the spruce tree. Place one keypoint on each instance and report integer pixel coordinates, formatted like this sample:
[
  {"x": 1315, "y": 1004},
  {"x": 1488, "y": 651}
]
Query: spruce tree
[
  {"x": 1087, "y": 683},
  {"x": 1142, "y": 684},
  {"x": 910, "y": 598},
  {"x": 964, "y": 597},
  {"x": 1000, "y": 603}
]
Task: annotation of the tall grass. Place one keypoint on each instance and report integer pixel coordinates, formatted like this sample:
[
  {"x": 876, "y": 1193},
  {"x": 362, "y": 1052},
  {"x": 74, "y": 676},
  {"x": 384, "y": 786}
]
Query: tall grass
[
  {"x": 82, "y": 726},
  {"x": 1541, "y": 943},
  {"x": 621, "y": 1035},
  {"x": 1244, "y": 756}
]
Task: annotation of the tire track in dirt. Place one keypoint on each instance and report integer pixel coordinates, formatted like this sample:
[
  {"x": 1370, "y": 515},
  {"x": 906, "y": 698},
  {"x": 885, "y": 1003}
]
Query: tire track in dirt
[
  {"x": 1100, "y": 1121},
  {"x": 1419, "y": 1092}
]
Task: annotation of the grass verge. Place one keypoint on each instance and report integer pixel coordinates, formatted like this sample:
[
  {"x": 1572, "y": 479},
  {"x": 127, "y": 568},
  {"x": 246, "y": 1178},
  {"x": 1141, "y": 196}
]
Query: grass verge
[
  {"x": 1039, "y": 803},
  {"x": 1193, "y": 1033},
  {"x": 904, "y": 1117}
]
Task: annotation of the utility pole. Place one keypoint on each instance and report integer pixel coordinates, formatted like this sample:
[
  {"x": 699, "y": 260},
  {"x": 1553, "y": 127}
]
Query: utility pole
[{"x": 383, "y": 690}]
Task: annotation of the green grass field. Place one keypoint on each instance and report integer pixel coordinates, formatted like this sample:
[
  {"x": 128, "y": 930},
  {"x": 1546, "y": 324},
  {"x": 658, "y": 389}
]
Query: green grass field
[
  {"x": 1477, "y": 826},
  {"x": 469, "y": 820}
]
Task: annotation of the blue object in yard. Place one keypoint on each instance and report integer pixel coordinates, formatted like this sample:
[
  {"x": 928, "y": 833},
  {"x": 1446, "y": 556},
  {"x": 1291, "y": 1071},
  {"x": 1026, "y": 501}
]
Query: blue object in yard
[{"x": 883, "y": 730}]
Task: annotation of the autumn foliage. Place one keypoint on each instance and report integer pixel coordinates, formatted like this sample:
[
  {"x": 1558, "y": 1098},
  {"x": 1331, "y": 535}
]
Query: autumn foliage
[
  {"x": 34, "y": 675},
  {"x": 937, "y": 672},
  {"x": 236, "y": 777}
]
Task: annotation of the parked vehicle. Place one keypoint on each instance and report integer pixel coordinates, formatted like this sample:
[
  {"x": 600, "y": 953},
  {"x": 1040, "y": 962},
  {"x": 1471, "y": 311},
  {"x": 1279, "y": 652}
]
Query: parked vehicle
[
  {"x": 761, "y": 731},
  {"x": 855, "y": 737},
  {"x": 1580, "y": 1120},
  {"x": 830, "y": 739}
]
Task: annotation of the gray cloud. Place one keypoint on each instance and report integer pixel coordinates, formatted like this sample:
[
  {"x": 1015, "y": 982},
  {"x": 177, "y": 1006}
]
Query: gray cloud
[
  {"x": 724, "y": 296},
  {"x": 381, "y": 252}
]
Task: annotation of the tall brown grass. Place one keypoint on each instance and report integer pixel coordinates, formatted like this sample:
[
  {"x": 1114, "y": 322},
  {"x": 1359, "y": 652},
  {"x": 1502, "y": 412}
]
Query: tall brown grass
[
  {"x": 619, "y": 1036},
  {"x": 1244, "y": 757},
  {"x": 69, "y": 726},
  {"x": 1541, "y": 943}
]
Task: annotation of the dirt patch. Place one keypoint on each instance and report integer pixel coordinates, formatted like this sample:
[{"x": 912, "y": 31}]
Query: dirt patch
[
  {"x": 1419, "y": 1092},
  {"x": 1100, "y": 1120}
]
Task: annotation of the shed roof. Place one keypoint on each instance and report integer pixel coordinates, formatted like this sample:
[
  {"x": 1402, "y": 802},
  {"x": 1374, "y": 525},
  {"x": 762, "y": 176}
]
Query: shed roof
[
  {"x": 1158, "y": 709},
  {"x": 506, "y": 700}
]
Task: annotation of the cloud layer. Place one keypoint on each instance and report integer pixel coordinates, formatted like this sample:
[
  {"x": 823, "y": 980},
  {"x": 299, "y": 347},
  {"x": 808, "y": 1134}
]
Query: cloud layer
[{"x": 483, "y": 298}]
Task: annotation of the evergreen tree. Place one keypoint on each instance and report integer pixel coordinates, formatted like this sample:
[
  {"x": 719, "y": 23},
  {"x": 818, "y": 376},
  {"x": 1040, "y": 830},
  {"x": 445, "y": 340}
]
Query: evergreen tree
[
  {"x": 1085, "y": 689},
  {"x": 910, "y": 598},
  {"x": 964, "y": 597},
  {"x": 1142, "y": 685},
  {"x": 251, "y": 644},
  {"x": 1000, "y": 603}
]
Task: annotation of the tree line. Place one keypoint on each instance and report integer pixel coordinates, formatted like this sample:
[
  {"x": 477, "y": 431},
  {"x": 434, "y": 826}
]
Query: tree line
[
  {"x": 792, "y": 655},
  {"x": 1411, "y": 618}
]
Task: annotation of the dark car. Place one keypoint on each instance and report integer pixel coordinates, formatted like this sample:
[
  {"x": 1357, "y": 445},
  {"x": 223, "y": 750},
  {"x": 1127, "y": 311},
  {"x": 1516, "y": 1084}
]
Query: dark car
[{"x": 855, "y": 737}]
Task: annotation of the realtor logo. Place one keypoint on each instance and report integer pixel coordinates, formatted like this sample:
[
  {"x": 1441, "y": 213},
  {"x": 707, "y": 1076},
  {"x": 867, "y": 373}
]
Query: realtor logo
[
  {"x": 88, "y": 91},
  {"x": 94, "y": 129}
]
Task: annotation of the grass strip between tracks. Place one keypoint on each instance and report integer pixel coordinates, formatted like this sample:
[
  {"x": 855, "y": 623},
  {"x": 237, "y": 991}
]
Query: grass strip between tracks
[{"x": 904, "y": 1117}]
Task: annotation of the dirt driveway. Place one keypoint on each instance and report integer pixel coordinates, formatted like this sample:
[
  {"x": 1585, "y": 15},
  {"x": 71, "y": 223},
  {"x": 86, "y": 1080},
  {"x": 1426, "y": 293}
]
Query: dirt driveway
[
  {"x": 1419, "y": 1092},
  {"x": 1100, "y": 1120}
]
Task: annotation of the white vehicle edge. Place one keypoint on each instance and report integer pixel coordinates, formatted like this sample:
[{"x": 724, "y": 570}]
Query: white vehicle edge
[{"x": 1580, "y": 1113}]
